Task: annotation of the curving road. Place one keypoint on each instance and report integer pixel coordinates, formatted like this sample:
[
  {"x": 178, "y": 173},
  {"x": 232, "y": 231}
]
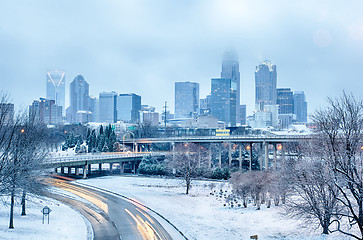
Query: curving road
[{"x": 114, "y": 217}]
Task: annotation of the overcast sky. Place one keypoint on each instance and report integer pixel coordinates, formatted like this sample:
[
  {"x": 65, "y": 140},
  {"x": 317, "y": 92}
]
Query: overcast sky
[{"x": 144, "y": 46}]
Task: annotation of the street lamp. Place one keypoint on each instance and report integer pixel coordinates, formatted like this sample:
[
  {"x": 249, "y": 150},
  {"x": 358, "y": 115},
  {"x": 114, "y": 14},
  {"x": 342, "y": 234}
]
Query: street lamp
[{"x": 133, "y": 137}]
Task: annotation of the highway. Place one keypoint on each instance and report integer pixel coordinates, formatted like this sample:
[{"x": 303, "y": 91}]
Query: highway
[{"x": 111, "y": 217}]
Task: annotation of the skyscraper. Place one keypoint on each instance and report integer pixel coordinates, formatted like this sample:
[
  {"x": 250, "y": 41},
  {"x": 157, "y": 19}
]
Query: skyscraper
[
  {"x": 128, "y": 107},
  {"x": 223, "y": 98},
  {"x": 186, "y": 99},
  {"x": 285, "y": 100},
  {"x": 265, "y": 80},
  {"x": 243, "y": 113},
  {"x": 300, "y": 106},
  {"x": 56, "y": 87},
  {"x": 285, "y": 103},
  {"x": 107, "y": 107},
  {"x": 79, "y": 104},
  {"x": 230, "y": 69}
]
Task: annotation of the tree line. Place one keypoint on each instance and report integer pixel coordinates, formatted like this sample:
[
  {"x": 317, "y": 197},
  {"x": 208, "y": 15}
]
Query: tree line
[{"x": 23, "y": 147}]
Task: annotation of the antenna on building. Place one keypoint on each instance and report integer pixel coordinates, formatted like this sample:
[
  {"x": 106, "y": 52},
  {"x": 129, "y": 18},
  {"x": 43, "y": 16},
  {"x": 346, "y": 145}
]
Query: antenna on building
[{"x": 165, "y": 116}]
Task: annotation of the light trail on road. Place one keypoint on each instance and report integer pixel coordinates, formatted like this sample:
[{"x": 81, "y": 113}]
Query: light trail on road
[{"x": 130, "y": 220}]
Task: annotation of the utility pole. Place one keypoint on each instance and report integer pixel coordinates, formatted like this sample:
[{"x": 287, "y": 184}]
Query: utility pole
[{"x": 165, "y": 115}]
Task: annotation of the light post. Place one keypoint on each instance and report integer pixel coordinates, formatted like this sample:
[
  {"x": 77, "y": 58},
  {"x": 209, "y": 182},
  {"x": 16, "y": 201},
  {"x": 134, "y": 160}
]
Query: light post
[{"x": 133, "y": 137}]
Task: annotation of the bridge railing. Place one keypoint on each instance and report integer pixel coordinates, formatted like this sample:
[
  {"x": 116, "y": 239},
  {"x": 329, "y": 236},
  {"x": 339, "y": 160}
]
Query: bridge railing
[{"x": 87, "y": 157}]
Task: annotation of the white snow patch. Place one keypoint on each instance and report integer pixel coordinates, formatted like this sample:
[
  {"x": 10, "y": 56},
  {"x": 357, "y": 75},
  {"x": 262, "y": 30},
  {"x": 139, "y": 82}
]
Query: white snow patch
[{"x": 64, "y": 222}]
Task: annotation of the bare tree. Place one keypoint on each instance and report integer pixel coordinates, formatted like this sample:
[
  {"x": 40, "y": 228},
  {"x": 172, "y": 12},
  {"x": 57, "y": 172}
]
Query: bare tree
[
  {"x": 340, "y": 128},
  {"x": 188, "y": 160},
  {"x": 22, "y": 157},
  {"x": 314, "y": 194}
]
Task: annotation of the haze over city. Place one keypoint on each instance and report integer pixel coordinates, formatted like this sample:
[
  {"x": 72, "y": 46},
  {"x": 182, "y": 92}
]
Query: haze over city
[{"x": 144, "y": 47}]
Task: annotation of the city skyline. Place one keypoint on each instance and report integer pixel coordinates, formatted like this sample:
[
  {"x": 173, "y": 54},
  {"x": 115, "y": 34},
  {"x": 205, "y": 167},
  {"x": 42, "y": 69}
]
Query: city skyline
[{"x": 306, "y": 38}]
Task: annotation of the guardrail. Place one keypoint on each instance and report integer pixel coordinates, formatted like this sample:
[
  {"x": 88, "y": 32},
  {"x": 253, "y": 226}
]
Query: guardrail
[{"x": 89, "y": 157}]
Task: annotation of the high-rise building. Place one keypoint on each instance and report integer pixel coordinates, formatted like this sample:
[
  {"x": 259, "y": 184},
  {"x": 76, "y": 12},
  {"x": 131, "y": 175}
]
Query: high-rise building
[
  {"x": 285, "y": 100},
  {"x": 300, "y": 106},
  {"x": 107, "y": 107},
  {"x": 6, "y": 112},
  {"x": 230, "y": 69},
  {"x": 285, "y": 103},
  {"x": 46, "y": 111},
  {"x": 243, "y": 112},
  {"x": 93, "y": 108},
  {"x": 56, "y": 87},
  {"x": 223, "y": 99},
  {"x": 265, "y": 80},
  {"x": 128, "y": 107},
  {"x": 186, "y": 99},
  {"x": 79, "y": 104}
]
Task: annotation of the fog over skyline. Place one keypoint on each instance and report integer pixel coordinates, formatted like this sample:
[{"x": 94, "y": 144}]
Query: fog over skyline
[{"x": 144, "y": 47}]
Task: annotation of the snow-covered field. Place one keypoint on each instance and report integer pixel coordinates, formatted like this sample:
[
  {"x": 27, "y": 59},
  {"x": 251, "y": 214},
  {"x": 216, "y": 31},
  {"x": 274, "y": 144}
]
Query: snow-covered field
[
  {"x": 64, "y": 222},
  {"x": 201, "y": 215}
]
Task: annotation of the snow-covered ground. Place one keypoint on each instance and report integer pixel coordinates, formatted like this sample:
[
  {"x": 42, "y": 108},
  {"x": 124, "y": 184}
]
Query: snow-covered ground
[
  {"x": 201, "y": 215},
  {"x": 64, "y": 222}
]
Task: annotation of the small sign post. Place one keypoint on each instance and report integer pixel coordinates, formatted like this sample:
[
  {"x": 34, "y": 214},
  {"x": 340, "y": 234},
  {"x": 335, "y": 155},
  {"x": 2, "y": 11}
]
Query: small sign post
[{"x": 46, "y": 210}]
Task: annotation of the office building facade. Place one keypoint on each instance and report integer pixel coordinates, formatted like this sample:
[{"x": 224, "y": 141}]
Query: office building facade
[
  {"x": 128, "y": 107},
  {"x": 107, "y": 107},
  {"x": 79, "y": 101},
  {"x": 186, "y": 99},
  {"x": 265, "y": 83},
  {"x": 223, "y": 100},
  {"x": 300, "y": 107},
  {"x": 55, "y": 87},
  {"x": 46, "y": 111}
]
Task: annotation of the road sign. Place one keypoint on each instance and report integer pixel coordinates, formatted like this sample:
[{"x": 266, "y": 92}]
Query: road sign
[{"x": 46, "y": 210}]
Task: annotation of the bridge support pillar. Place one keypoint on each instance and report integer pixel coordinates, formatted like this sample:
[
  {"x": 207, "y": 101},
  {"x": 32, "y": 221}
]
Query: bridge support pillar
[
  {"x": 282, "y": 155},
  {"x": 56, "y": 170},
  {"x": 62, "y": 169},
  {"x": 240, "y": 156},
  {"x": 135, "y": 147},
  {"x": 275, "y": 156},
  {"x": 199, "y": 152},
  {"x": 173, "y": 146},
  {"x": 111, "y": 165},
  {"x": 249, "y": 148},
  {"x": 210, "y": 156},
  {"x": 85, "y": 169},
  {"x": 76, "y": 170},
  {"x": 229, "y": 154},
  {"x": 89, "y": 168},
  {"x": 260, "y": 157},
  {"x": 121, "y": 168},
  {"x": 69, "y": 170},
  {"x": 266, "y": 155},
  {"x": 220, "y": 155},
  {"x": 134, "y": 167},
  {"x": 100, "y": 168}
]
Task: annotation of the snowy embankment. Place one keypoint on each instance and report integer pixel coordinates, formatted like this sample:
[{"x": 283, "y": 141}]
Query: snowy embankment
[
  {"x": 202, "y": 215},
  {"x": 64, "y": 222}
]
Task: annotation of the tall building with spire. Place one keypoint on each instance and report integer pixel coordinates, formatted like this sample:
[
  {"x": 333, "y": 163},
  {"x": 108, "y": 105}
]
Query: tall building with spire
[
  {"x": 56, "y": 87},
  {"x": 230, "y": 69}
]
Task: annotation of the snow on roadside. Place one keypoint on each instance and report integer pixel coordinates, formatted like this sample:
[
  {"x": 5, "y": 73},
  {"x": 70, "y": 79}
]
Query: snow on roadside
[
  {"x": 64, "y": 222},
  {"x": 201, "y": 215}
]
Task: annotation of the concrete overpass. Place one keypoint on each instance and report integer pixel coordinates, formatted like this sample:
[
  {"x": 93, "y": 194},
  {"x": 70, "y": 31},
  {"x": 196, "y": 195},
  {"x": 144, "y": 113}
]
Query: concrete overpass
[
  {"x": 243, "y": 142},
  {"x": 82, "y": 162}
]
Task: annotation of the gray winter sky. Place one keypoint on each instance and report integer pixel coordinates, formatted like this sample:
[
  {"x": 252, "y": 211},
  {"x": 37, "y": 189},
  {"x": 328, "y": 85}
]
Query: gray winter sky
[{"x": 144, "y": 46}]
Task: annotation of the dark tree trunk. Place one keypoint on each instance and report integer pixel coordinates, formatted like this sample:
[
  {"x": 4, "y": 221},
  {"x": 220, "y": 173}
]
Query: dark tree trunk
[
  {"x": 23, "y": 213},
  {"x": 11, "y": 224}
]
